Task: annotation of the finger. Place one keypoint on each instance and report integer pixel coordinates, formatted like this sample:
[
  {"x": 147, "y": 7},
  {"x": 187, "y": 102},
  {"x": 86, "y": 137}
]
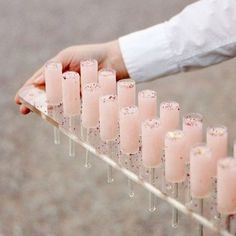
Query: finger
[
  {"x": 24, "y": 110},
  {"x": 39, "y": 80},
  {"x": 17, "y": 99}
]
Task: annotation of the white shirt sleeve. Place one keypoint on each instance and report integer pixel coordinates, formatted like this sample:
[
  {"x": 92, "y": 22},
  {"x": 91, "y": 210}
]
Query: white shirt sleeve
[{"x": 203, "y": 34}]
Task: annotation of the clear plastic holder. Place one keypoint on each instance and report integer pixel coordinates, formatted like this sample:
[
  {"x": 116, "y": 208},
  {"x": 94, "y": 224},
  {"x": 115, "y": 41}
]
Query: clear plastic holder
[{"x": 35, "y": 99}]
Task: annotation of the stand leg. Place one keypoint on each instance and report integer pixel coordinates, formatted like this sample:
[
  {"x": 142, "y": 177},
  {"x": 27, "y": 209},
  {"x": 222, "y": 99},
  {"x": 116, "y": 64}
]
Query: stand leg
[
  {"x": 216, "y": 215},
  {"x": 71, "y": 142},
  {"x": 200, "y": 228},
  {"x": 175, "y": 212},
  {"x": 87, "y": 163},
  {"x": 109, "y": 174},
  {"x": 130, "y": 182},
  {"x": 131, "y": 188},
  {"x": 71, "y": 148},
  {"x": 152, "y": 197},
  {"x": 109, "y": 168},
  {"x": 163, "y": 179},
  {"x": 187, "y": 191},
  {"x": 81, "y": 132},
  {"x": 56, "y": 133}
]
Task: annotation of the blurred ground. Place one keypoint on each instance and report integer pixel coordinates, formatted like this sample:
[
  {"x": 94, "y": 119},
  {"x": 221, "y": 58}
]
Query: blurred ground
[{"x": 42, "y": 191}]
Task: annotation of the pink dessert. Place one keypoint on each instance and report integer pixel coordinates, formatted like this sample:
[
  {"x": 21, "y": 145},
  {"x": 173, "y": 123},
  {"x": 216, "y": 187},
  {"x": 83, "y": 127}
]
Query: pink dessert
[
  {"x": 126, "y": 93},
  {"x": 107, "y": 81},
  {"x": 90, "y": 107},
  {"x": 129, "y": 130},
  {"x": 108, "y": 110},
  {"x": 71, "y": 93},
  {"x": 200, "y": 176},
  {"x": 169, "y": 116},
  {"x": 88, "y": 72},
  {"x": 151, "y": 143},
  {"x": 147, "y": 103},
  {"x": 175, "y": 156},
  {"x": 217, "y": 140},
  {"x": 226, "y": 186},
  {"x": 53, "y": 82},
  {"x": 193, "y": 130}
]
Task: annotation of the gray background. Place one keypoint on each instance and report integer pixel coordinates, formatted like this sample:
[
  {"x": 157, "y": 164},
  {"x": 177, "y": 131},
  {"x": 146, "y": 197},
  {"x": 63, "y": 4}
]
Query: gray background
[{"x": 42, "y": 191}]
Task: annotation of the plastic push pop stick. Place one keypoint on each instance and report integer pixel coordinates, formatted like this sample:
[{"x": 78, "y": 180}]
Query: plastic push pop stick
[
  {"x": 200, "y": 176},
  {"x": 53, "y": 80},
  {"x": 151, "y": 152},
  {"x": 71, "y": 101},
  {"x": 90, "y": 111},
  {"x": 193, "y": 131},
  {"x": 175, "y": 169},
  {"x": 169, "y": 117},
  {"x": 109, "y": 118},
  {"x": 129, "y": 134}
]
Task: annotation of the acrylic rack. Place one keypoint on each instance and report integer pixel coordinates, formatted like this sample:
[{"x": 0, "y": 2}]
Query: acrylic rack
[{"x": 35, "y": 99}]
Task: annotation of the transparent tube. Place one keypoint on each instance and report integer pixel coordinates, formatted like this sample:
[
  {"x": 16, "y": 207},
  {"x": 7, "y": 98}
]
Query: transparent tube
[
  {"x": 152, "y": 197},
  {"x": 56, "y": 134},
  {"x": 175, "y": 212},
  {"x": 71, "y": 142},
  {"x": 87, "y": 162},
  {"x": 110, "y": 178}
]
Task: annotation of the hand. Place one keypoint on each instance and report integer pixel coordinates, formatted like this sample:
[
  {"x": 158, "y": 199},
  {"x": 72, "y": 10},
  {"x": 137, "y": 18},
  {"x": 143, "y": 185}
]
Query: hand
[{"x": 107, "y": 55}]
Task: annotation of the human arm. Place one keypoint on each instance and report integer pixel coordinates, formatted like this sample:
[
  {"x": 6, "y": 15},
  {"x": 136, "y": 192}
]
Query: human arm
[
  {"x": 107, "y": 55},
  {"x": 203, "y": 34}
]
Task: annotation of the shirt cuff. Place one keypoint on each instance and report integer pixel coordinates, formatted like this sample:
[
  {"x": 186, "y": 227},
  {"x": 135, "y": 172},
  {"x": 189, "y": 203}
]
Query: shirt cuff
[{"x": 147, "y": 53}]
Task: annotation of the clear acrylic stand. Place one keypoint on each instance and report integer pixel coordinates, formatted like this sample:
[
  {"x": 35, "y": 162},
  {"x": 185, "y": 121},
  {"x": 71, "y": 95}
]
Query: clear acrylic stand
[{"x": 35, "y": 99}]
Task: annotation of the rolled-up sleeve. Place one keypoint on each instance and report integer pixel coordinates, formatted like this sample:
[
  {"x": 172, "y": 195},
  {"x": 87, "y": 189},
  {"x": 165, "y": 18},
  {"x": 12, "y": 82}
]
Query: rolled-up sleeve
[{"x": 203, "y": 34}]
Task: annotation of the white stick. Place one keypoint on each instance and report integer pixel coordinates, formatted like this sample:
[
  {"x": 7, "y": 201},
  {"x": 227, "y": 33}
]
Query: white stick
[
  {"x": 175, "y": 212},
  {"x": 152, "y": 197}
]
